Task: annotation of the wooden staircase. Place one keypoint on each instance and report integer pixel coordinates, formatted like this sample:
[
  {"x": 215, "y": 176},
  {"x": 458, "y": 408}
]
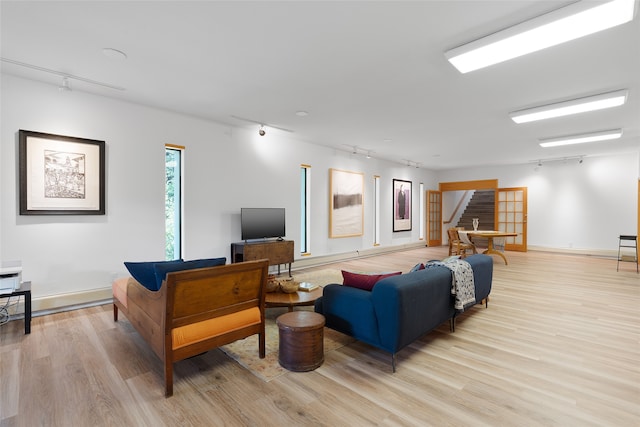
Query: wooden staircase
[{"x": 482, "y": 206}]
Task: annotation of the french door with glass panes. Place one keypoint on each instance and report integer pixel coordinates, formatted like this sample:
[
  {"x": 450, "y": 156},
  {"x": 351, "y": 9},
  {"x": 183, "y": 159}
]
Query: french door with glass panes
[
  {"x": 434, "y": 218},
  {"x": 511, "y": 216}
]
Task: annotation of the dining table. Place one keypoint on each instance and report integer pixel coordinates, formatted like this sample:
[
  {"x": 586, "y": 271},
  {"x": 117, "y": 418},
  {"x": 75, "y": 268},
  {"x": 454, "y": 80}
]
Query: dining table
[{"x": 489, "y": 235}]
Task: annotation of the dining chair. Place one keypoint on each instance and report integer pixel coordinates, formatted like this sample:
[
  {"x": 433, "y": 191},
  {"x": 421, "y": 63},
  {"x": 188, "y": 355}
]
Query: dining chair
[{"x": 457, "y": 246}]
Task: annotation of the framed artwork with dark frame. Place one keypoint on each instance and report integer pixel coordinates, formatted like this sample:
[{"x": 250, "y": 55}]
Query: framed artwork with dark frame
[
  {"x": 401, "y": 205},
  {"x": 60, "y": 175},
  {"x": 346, "y": 204}
]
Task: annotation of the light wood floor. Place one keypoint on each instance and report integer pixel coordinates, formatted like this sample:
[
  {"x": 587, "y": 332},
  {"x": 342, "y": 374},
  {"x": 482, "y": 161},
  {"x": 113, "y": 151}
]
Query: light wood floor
[{"x": 559, "y": 345}]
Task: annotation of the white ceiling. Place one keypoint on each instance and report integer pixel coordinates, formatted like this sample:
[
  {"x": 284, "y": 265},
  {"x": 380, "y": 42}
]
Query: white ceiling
[{"x": 366, "y": 72}]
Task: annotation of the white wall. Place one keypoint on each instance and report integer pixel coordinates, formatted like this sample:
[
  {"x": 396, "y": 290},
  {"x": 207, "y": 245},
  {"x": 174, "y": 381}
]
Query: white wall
[
  {"x": 225, "y": 169},
  {"x": 570, "y": 206},
  {"x": 583, "y": 207}
]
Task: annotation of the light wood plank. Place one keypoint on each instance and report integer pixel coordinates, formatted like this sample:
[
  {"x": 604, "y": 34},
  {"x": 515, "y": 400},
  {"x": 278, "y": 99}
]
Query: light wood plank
[{"x": 559, "y": 345}]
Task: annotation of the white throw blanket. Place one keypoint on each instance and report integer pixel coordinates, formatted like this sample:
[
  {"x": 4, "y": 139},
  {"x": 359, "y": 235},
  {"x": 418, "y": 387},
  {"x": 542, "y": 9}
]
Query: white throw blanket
[{"x": 462, "y": 285}]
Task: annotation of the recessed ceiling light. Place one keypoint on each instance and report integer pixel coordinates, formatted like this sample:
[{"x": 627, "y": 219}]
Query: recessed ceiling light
[
  {"x": 574, "y": 106},
  {"x": 576, "y": 20},
  {"x": 114, "y": 54},
  {"x": 302, "y": 113},
  {"x": 604, "y": 135}
]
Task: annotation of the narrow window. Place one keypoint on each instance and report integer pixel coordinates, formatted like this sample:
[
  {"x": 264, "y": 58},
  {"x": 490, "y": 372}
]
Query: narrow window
[
  {"x": 305, "y": 209},
  {"x": 376, "y": 210},
  {"x": 173, "y": 201},
  {"x": 422, "y": 220}
]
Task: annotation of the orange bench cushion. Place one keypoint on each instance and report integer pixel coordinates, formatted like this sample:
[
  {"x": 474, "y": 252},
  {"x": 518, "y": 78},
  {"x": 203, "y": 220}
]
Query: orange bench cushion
[{"x": 200, "y": 331}]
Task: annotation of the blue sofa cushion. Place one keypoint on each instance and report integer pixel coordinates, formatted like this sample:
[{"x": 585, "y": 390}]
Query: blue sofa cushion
[
  {"x": 144, "y": 272},
  {"x": 364, "y": 281},
  {"x": 161, "y": 270},
  {"x": 410, "y": 305}
]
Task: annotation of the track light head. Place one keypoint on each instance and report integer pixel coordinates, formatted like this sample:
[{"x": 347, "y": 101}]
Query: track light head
[
  {"x": 261, "y": 131},
  {"x": 66, "y": 86}
]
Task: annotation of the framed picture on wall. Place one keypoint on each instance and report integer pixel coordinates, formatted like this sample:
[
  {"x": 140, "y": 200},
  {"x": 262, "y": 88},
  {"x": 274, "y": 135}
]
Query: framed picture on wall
[
  {"x": 401, "y": 205},
  {"x": 346, "y": 204},
  {"x": 60, "y": 175}
]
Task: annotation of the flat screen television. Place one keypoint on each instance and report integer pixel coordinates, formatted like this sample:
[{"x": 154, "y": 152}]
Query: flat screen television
[{"x": 262, "y": 223}]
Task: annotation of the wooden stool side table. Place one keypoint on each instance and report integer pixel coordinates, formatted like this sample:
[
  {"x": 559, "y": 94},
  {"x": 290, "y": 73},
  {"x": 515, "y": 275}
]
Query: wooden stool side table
[{"x": 301, "y": 346}]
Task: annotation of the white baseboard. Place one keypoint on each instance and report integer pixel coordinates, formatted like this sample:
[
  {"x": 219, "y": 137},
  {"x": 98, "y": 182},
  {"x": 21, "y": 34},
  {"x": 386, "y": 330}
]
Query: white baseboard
[
  {"x": 72, "y": 301},
  {"x": 604, "y": 253},
  {"x": 311, "y": 261}
]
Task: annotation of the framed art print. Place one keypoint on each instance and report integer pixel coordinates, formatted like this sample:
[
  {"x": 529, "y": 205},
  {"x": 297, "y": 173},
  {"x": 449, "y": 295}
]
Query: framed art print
[
  {"x": 346, "y": 207},
  {"x": 61, "y": 175},
  {"x": 401, "y": 205}
]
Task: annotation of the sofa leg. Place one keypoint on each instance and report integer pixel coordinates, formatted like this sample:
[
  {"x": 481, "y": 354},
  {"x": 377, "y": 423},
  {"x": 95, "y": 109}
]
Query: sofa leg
[
  {"x": 452, "y": 324},
  {"x": 115, "y": 313},
  {"x": 393, "y": 362}
]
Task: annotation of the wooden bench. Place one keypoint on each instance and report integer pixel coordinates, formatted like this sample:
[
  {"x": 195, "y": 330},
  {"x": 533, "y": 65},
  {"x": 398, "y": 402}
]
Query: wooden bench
[{"x": 195, "y": 311}]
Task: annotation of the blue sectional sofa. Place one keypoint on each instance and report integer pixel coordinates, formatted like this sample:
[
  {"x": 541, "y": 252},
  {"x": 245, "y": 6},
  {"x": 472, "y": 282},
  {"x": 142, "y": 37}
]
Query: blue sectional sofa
[{"x": 400, "y": 309}]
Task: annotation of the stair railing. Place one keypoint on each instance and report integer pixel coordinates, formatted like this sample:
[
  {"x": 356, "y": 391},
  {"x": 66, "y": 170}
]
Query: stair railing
[{"x": 455, "y": 211}]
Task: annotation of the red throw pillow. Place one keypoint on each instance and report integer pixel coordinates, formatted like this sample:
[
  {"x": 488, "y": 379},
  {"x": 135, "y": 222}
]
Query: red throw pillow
[{"x": 364, "y": 280}]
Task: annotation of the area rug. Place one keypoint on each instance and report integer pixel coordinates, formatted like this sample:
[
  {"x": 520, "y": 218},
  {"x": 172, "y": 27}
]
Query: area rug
[
  {"x": 245, "y": 351},
  {"x": 320, "y": 277}
]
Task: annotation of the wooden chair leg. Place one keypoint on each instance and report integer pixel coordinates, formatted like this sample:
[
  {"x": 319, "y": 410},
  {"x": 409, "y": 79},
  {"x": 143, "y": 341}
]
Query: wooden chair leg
[
  {"x": 261, "y": 345},
  {"x": 168, "y": 378},
  {"x": 115, "y": 313}
]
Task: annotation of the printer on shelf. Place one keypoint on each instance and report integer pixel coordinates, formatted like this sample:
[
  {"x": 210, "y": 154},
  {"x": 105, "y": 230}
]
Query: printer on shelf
[{"x": 10, "y": 276}]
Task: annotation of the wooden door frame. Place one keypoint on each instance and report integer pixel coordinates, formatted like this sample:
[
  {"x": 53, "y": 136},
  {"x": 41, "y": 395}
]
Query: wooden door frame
[{"x": 484, "y": 184}]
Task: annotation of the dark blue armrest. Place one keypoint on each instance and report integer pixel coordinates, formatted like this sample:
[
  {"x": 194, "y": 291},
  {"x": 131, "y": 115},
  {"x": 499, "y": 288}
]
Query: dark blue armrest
[{"x": 350, "y": 311}]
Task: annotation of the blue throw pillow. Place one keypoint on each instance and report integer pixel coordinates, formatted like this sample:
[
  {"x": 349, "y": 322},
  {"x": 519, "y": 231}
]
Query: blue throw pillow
[
  {"x": 145, "y": 273},
  {"x": 161, "y": 270}
]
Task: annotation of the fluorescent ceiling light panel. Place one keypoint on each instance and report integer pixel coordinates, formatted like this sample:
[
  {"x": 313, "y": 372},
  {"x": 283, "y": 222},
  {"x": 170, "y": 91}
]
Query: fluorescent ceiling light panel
[
  {"x": 581, "y": 138},
  {"x": 562, "y": 25},
  {"x": 574, "y": 106}
]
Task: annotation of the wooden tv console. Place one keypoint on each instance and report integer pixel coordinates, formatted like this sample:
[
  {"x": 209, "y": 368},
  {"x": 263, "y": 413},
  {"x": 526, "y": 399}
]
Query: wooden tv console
[{"x": 276, "y": 251}]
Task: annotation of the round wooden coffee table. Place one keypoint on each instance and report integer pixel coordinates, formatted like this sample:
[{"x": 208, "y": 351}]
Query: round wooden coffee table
[{"x": 295, "y": 299}]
